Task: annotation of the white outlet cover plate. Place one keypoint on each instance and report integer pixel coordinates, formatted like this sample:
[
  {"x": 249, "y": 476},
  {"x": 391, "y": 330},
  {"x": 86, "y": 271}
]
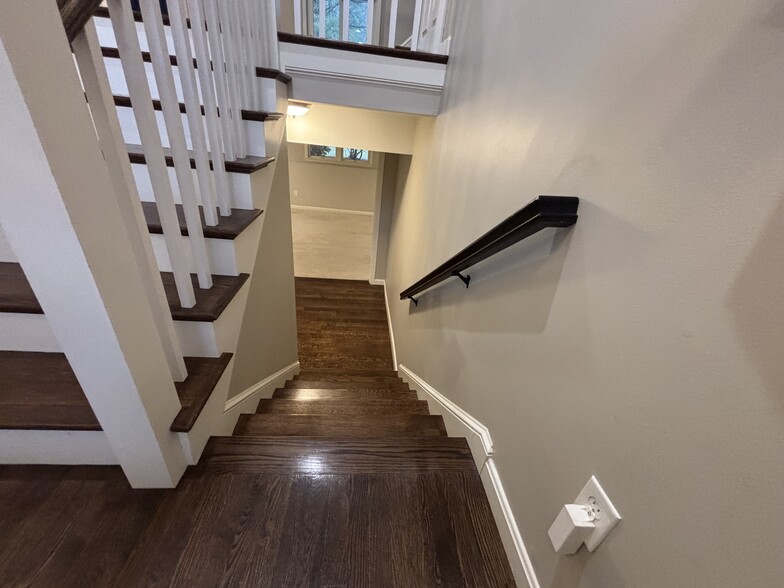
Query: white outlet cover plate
[{"x": 607, "y": 516}]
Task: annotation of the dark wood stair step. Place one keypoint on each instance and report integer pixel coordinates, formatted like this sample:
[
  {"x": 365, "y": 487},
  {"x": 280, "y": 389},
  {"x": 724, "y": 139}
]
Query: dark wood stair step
[
  {"x": 397, "y": 385},
  {"x": 195, "y": 391},
  {"x": 312, "y": 425},
  {"x": 228, "y": 227},
  {"x": 290, "y": 455},
  {"x": 348, "y": 376},
  {"x": 210, "y": 303},
  {"x": 359, "y": 407},
  {"x": 244, "y": 165},
  {"x": 254, "y": 115},
  {"x": 342, "y": 394},
  {"x": 40, "y": 391},
  {"x": 16, "y": 295}
]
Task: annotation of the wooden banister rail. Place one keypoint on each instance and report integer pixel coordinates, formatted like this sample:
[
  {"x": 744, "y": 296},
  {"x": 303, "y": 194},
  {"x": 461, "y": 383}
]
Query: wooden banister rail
[
  {"x": 543, "y": 212},
  {"x": 75, "y": 14}
]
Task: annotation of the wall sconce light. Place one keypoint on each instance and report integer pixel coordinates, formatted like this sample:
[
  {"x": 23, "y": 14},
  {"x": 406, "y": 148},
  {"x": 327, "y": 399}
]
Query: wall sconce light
[{"x": 298, "y": 108}]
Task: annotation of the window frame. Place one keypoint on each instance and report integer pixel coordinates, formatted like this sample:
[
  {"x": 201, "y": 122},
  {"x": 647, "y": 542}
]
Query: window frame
[{"x": 338, "y": 159}]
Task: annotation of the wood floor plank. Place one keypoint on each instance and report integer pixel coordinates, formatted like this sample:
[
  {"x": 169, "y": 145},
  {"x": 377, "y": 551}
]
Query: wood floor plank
[{"x": 16, "y": 295}]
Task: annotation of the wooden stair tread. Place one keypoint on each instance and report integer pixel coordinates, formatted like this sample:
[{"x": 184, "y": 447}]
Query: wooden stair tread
[
  {"x": 209, "y": 303},
  {"x": 351, "y": 384},
  {"x": 195, "y": 391},
  {"x": 287, "y": 455},
  {"x": 261, "y": 72},
  {"x": 244, "y": 165},
  {"x": 254, "y": 115},
  {"x": 16, "y": 295},
  {"x": 318, "y": 425},
  {"x": 356, "y": 407},
  {"x": 40, "y": 391},
  {"x": 228, "y": 227},
  {"x": 362, "y": 48},
  {"x": 342, "y": 394}
]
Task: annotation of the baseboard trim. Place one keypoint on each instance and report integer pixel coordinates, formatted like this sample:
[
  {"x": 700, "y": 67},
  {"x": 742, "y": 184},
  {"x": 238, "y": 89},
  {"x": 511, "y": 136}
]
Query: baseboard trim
[
  {"x": 289, "y": 370},
  {"x": 389, "y": 324},
  {"x": 460, "y": 423},
  {"x": 327, "y": 209},
  {"x": 377, "y": 282}
]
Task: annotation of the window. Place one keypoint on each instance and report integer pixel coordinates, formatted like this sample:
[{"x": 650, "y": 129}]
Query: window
[
  {"x": 333, "y": 23},
  {"x": 342, "y": 155}
]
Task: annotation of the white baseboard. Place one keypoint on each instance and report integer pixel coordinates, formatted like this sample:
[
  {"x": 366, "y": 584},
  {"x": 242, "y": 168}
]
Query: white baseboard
[
  {"x": 55, "y": 448},
  {"x": 248, "y": 400},
  {"x": 326, "y": 209},
  {"x": 459, "y": 423},
  {"x": 389, "y": 324}
]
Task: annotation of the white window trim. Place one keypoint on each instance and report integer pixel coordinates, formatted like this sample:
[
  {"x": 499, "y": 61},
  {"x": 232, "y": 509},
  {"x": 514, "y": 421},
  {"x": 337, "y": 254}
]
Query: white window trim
[{"x": 338, "y": 159}]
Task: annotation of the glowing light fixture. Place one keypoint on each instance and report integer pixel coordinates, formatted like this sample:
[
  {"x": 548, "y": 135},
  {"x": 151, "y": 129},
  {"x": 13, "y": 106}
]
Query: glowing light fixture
[{"x": 298, "y": 108}]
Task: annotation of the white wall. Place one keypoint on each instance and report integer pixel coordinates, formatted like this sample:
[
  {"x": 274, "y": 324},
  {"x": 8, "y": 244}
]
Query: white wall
[
  {"x": 330, "y": 185},
  {"x": 325, "y": 124},
  {"x": 643, "y": 346}
]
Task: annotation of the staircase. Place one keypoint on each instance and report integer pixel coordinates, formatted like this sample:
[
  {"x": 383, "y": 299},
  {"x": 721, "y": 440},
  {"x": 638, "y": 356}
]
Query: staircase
[{"x": 190, "y": 154}]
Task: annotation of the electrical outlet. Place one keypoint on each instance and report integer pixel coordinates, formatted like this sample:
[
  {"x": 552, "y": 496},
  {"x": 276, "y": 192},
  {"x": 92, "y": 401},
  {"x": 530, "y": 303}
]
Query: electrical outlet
[{"x": 606, "y": 516}]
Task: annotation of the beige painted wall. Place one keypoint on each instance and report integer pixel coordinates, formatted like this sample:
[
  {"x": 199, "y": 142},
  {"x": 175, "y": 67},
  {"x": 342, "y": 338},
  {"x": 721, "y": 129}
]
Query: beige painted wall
[
  {"x": 326, "y": 124},
  {"x": 268, "y": 338},
  {"x": 331, "y": 185},
  {"x": 645, "y": 345}
]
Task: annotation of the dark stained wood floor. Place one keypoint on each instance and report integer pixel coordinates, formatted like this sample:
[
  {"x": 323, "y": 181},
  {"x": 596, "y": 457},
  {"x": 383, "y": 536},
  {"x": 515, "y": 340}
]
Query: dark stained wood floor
[{"x": 348, "y": 484}]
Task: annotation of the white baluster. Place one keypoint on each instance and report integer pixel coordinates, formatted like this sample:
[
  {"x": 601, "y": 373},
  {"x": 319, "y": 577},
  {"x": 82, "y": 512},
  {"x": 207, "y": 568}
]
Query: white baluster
[
  {"x": 271, "y": 33},
  {"x": 344, "y": 19},
  {"x": 190, "y": 92},
  {"x": 251, "y": 51},
  {"x": 220, "y": 69},
  {"x": 139, "y": 91},
  {"x": 322, "y": 19},
  {"x": 200, "y": 45},
  {"x": 369, "y": 23},
  {"x": 297, "y": 17},
  {"x": 417, "y": 25},
  {"x": 87, "y": 51},
  {"x": 239, "y": 29},
  {"x": 170, "y": 105},
  {"x": 392, "y": 24},
  {"x": 230, "y": 51}
]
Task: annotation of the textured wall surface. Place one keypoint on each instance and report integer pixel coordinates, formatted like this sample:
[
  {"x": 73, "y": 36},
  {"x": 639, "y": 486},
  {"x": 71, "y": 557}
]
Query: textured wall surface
[{"x": 644, "y": 345}]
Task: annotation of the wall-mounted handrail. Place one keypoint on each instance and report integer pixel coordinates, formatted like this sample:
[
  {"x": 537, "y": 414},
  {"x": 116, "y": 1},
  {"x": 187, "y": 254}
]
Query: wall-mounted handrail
[{"x": 543, "y": 212}]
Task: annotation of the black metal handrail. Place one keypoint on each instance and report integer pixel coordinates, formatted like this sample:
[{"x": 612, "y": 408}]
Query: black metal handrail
[{"x": 543, "y": 212}]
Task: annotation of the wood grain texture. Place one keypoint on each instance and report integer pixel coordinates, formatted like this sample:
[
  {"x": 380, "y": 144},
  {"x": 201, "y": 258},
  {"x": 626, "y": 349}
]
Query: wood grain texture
[
  {"x": 228, "y": 227},
  {"x": 210, "y": 303},
  {"x": 195, "y": 391},
  {"x": 40, "y": 391},
  {"x": 243, "y": 165},
  {"x": 16, "y": 295},
  {"x": 352, "y": 484},
  {"x": 320, "y": 425},
  {"x": 341, "y": 394},
  {"x": 359, "y": 407},
  {"x": 75, "y": 14}
]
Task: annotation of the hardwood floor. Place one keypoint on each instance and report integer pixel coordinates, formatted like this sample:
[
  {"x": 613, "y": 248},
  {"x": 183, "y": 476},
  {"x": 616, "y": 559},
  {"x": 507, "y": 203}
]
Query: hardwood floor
[{"x": 349, "y": 484}]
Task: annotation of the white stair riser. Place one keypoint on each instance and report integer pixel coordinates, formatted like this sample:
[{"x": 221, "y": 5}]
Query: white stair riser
[
  {"x": 227, "y": 257},
  {"x": 26, "y": 332},
  {"x": 203, "y": 339},
  {"x": 254, "y": 131},
  {"x": 240, "y": 186}
]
